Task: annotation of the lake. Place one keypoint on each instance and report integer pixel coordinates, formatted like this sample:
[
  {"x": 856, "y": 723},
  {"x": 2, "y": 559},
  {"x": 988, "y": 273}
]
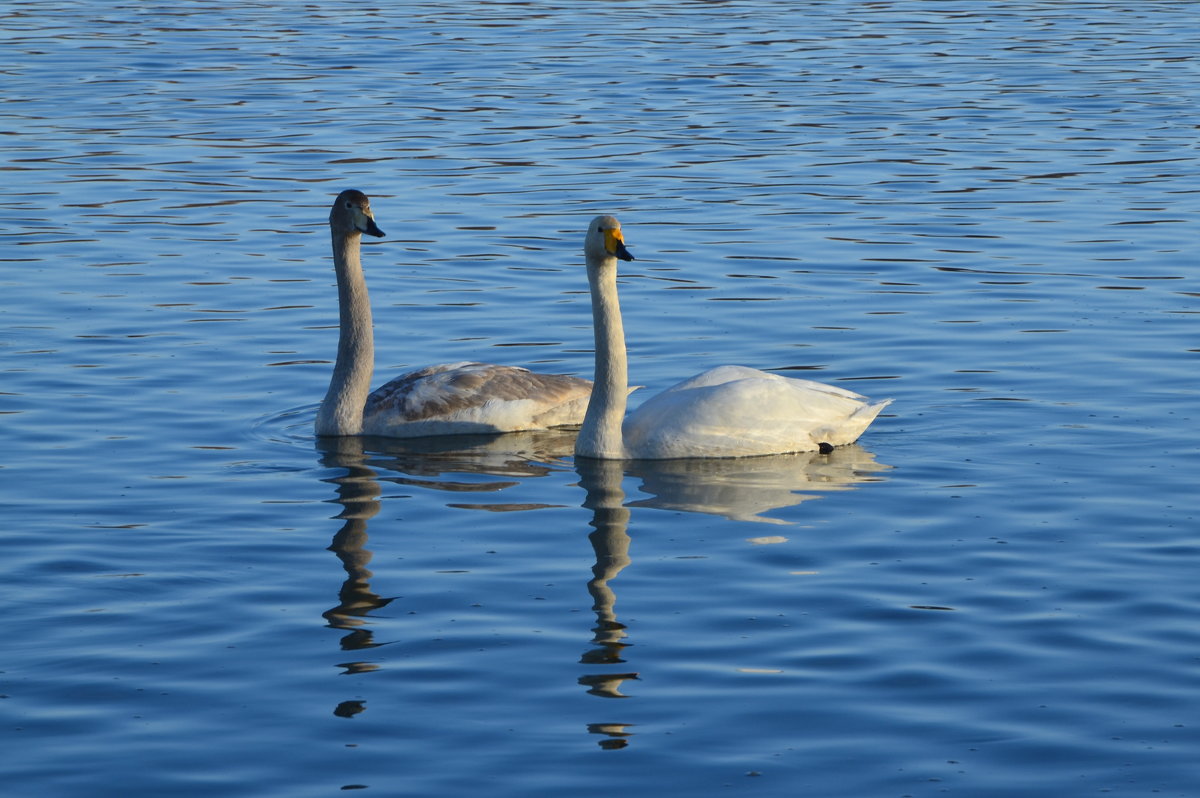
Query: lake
[{"x": 984, "y": 211}]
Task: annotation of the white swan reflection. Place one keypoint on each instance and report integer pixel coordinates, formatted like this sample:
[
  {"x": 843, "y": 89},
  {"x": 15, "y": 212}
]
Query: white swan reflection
[
  {"x": 742, "y": 489},
  {"x": 738, "y": 489},
  {"x": 610, "y": 544}
]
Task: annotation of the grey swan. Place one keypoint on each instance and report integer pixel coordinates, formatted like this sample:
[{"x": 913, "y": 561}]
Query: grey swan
[{"x": 447, "y": 399}]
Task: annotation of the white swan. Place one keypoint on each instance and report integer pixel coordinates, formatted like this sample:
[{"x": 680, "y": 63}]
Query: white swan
[
  {"x": 450, "y": 399},
  {"x": 728, "y": 411}
]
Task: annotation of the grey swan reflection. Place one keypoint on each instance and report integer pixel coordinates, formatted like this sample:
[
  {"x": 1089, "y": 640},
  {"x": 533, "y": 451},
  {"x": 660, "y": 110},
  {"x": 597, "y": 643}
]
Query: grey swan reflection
[
  {"x": 366, "y": 465},
  {"x": 528, "y": 453},
  {"x": 362, "y": 474},
  {"x": 358, "y": 492}
]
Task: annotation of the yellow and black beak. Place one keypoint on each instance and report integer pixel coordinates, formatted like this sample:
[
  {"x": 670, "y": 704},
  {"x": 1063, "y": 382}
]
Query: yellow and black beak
[{"x": 614, "y": 242}]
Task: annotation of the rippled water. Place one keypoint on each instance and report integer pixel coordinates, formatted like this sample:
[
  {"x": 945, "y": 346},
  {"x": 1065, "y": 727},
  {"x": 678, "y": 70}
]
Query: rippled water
[{"x": 986, "y": 211}]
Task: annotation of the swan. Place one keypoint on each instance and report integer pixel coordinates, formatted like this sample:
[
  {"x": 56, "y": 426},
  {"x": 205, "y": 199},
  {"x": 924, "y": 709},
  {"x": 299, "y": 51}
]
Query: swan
[
  {"x": 728, "y": 411},
  {"x": 448, "y": 399}
]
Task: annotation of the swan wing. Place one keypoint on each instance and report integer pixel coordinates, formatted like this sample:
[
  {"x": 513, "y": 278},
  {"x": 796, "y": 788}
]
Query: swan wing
[
  {"x": 464, "y": 398},
  {"x": 734, "y": 411}
]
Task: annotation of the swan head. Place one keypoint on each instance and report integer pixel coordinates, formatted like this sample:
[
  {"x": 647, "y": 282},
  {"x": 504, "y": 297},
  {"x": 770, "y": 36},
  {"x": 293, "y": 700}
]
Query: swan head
[
  {"x": 604, "y": 240},
  {"x": 351, "y": 213}
]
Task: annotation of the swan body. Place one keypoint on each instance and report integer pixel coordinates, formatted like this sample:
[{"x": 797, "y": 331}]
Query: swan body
[
  {"x": 728, "y": 411},
  {"x": 449, "y": 399},
  {"x": 466, "y": 398}
]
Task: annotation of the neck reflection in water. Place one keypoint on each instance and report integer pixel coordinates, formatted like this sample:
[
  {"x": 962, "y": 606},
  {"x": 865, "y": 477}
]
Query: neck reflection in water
[
  {"x": 739, "y": 489},
  {"x": 358, "y": 492}
]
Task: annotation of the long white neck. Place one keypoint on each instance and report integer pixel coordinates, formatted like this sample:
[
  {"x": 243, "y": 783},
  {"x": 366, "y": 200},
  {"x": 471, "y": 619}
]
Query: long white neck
[
  {"x": 342, "y": 411},
  {"x": 600, "y": 435}
]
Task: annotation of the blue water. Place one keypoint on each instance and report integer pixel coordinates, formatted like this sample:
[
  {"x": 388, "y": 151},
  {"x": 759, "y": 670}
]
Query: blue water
[{"x": 985, "y": 211}]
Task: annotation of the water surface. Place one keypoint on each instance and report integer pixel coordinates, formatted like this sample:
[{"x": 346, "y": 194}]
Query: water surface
[{"x": 985, "y": 211}]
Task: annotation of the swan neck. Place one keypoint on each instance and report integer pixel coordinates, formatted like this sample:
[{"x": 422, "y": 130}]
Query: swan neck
[
  {"x": 600, "y": 435},
  {"x": 342, "y": 411}
]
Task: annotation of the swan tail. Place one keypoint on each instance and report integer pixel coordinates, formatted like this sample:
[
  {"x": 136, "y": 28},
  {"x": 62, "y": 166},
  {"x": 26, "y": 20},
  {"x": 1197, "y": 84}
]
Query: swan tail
[{"x": 852, "y": 427}]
